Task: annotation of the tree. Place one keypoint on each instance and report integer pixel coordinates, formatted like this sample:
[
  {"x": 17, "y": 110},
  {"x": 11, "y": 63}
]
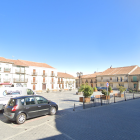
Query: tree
[
  {"x": 121, "y": 89},
  {"x": 86, "y": 89}
]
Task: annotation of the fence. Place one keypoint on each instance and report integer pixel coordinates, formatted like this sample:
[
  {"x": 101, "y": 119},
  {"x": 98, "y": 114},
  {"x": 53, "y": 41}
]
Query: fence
[{"x": 116, "y": 98}]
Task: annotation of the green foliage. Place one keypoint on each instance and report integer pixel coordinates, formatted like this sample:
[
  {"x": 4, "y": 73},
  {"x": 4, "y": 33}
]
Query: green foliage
[
  {"x": 130, "y": 91},
  {"x": 86, "y": 89},
  {"x": 105, "y": 92},
  {"x": 95, "y": 88},
  {"x": 109, "y": 89},
  {"x": 121, "y": 89},
  {"x": 48, "y": 89}
]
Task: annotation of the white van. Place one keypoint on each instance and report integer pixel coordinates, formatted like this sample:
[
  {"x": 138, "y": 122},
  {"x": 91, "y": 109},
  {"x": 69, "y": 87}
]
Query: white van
[{"x": 8, "y": 92}]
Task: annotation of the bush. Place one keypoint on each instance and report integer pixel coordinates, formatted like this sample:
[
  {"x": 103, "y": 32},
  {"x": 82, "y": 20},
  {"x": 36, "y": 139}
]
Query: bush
[
  {"x": 86, "y": 89},
  {"x": 109, "y": 89},
  {"x": 95, "y": 88},
  {"x": 130, "y": 91},
  {"x": 105, "y": 92},
  {"x": 121, "y": 89}
]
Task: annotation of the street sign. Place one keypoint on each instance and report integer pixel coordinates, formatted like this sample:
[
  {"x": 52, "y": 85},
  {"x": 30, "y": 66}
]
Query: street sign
[{"x": 107, "y": 84}]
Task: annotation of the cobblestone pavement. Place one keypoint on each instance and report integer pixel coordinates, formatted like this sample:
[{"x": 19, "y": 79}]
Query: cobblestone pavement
[{"x": 115, "y": 121}]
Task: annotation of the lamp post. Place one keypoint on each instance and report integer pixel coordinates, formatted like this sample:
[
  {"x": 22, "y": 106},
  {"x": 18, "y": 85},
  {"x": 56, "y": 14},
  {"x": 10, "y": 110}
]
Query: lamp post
[{"x": 79, "y": 74}]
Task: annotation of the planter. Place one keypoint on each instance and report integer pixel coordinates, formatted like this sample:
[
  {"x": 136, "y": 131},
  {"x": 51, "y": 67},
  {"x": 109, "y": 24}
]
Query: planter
[
  {"x": 111, "y": 91},
  {"x": 87, "y": 100},
  {"x": 80, "y": 99},
  {"x": 60, "y": 90},
  {"x": 105, "y": 97},
  {"x": 69, "y": 89},
  {"x": 48, "y": 91},
  {"x": 121, "y": 95},
  {"x": 95, "y": 90}
]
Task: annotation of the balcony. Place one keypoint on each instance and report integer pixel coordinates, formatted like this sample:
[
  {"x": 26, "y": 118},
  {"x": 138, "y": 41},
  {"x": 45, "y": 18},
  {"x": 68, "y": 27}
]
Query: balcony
[
  {"x": 6, "y": 80},
  {"x": 20, "y": 71},
  {"x": 34, "y": 73},
  {"x": 7, "y": 69},
  {"x": 70, "y": 82},
  {"x": 52, "y": 75},
  {"x": 134, "y": 80},
  {"x": 52, "y": 82},
  {"x": 17, "y": 80},
  {"x": 60, "y": 82},
  {"x": 34, "y": 81},
  {"x": 44, "y": 81},
  {"x": 44, "y": 74}
]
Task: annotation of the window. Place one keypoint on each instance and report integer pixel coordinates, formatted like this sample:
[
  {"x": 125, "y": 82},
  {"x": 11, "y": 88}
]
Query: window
[
  {"x": 101, "y": 78},
  {"x": 12, "y": 102},
  {"x": 135, "y": 85},
  {"x": 30, "y": 92},
  {"x": 134, "y": 78},
  {"x": 110, "y": 78},
  {"x": 22, "y": 101},
  {"x": 30, "y": 101},
  {"x": 41, "y": 100},
  {"x": 101, "y": 85}
]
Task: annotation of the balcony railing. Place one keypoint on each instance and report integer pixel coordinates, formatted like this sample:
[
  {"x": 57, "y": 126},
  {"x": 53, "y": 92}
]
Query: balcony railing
[
  {"x": 7, "y": 69},
  {"x": 134, "y": 80},
  {"x": 20, "y": 71},
  {"x": 44, "y": 81},
  {"x": 70, "y": 82},
  {"x": 6, "y": 80},
  {"x": 52, "y": 75},
  {"x": 34, "y": 81},
  {"x": 60, "y": 82},
  {"x": 44, "y": 74},
  {"x": 52, "y": 82},
  {"x": 17, "y": 80},
  {"x": 34, "y": 73}
]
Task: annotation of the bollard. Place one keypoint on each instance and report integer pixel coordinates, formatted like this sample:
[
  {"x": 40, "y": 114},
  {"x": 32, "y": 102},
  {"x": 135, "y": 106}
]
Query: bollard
[
  {"x": 83, "y": 103},
  {"x": 114, "y": 98},
  {"x": 133, "y": 95},
  {"x": 74, "y": 107},
  {"x": 125, "y": 96},
  {"x": 94, "y": 101},
  {"x": 101, "y": 101}
]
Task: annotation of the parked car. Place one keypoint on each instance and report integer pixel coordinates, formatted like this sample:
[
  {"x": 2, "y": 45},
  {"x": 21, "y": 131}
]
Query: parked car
[
  {"x": 21, "y": 108},
  {"x": 9, "y": 92},
  {"x": 98, "y": 88},
  {"x": 101, "y": 88}
]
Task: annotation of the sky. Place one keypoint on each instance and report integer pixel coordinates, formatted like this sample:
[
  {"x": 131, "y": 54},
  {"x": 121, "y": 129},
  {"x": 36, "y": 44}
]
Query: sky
[{"x": 71, "y": 35}]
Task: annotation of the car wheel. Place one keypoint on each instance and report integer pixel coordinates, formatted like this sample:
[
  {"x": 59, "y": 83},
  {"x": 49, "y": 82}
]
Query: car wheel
[
  {"x": 52, "y": 111},
  {"x": 21, "y": 118}
]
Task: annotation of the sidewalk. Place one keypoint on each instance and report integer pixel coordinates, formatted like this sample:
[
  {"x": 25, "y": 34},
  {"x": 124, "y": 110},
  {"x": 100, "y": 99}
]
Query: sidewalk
[{"x": 119, "y": 121}]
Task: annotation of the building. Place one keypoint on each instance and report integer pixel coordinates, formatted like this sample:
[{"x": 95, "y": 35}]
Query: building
[
  {"x": 90, "y": 79},
  {"x": 66, "y": 81},
  {"x": 37, "y": 76},
  {"x": 127, "y": 77}
]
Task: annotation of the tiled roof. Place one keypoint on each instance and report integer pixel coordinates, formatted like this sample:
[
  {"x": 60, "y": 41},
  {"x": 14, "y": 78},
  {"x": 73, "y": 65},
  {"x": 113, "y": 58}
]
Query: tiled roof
[
  {"x": 119, "y": 70},
  {"x": 37, "y": 64},
  {"x": 91, "y": 75},
  {"x": 25, "y": 63},
  {"x": 136, "y": 71},
  {"x": 65, "y": 75}
]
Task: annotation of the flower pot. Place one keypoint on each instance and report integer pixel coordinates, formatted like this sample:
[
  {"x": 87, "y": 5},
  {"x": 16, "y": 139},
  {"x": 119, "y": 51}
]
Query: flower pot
[
  {"x": 80, "y": 99},
  {"x": 105, "y": 97},
  {"x": 48, "y": 91},
  {"x": 87, "y": 100},
  {"x": 120, "y": 95},
  {"x": 95, "y": 90}
]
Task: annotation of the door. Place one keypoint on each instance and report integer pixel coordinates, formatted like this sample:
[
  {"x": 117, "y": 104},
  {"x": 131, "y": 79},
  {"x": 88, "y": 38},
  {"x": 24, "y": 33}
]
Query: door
[
  {"x": 43, "y": 106},
  {"x": 91, "y": 85},
  {"x": 33, "y": 79},
  {"x": 33, "y": 87},
  {"x": 43, "y": 79},
  {"x": 31, "y": 108},
  {"x": 43, "y": 86},
  {"x": 34, "y": 71}
]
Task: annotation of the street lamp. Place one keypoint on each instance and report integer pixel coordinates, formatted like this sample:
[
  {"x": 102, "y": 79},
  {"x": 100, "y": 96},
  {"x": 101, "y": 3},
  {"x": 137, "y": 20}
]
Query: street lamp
[{"x": 79, "y": 74}]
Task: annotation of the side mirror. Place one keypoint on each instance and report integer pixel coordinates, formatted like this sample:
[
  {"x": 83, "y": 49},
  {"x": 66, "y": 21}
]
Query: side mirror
[{"x": 34, "y": 93}]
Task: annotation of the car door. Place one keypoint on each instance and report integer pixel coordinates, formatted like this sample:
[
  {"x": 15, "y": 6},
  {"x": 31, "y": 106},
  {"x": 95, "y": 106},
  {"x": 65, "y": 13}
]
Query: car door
[
  {"x": 42, "y": 104},
  {"x": 31, "y": 108}
]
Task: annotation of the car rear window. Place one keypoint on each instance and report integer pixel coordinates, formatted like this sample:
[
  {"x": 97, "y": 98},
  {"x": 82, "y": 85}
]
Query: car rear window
[{"x": 12, "y": 102}]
